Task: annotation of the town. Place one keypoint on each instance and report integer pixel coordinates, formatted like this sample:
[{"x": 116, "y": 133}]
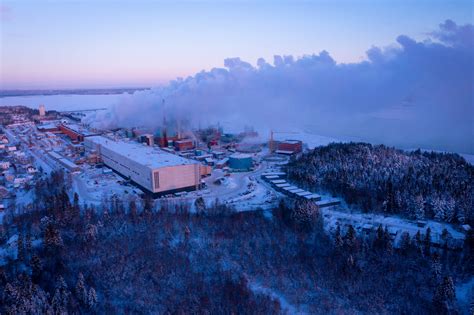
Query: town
[{"x": 173, "y": 165}]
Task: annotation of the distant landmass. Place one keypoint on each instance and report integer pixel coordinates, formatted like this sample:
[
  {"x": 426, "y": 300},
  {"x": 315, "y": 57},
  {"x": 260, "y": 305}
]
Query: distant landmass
[{"x": 9, "y": 93}]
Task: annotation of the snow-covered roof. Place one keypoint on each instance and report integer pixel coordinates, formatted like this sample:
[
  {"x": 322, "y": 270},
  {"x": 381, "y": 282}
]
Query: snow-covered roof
[
  {"x": 150, "y": 156},
  {"x": 282, "y": 185},
  {"x": 312, "y": 196},
  {"x": 278, "y": 181},
  {"x": 304, "y": 193},
  {"x": 79, "y": 129},
  {"x": 272, "y": 176},
  {"x": 240, "y": 156}
]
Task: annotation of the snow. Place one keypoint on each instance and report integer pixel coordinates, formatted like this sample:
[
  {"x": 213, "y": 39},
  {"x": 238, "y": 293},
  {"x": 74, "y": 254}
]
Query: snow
[
  {"x": 260, "y": 289},
  {"x": 93, "y": 186},
  {"x": 139, "y": 153},
  {"x": 464, "y": 292},
  {"x": 334, "y": 216}
]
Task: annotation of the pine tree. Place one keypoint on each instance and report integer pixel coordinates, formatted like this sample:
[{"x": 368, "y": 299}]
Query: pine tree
[
  {"x": 36, "y": 268},
  {"x": 61, "y": 297},
  {"x": 438, "y": 209},
  {"x": 52, "y": 237},
  {"x": 92, "y": 299},
  {"x": 11, "y": 298},
  {"x": 387, "y": 241},
  {"x": 133, "y": 211},
  {"x": 20, "y": 247},
  {"x": 81, "y": 291},
  {"x": 418, "y": 243},
  {"x": 200, "y": 205},
  {"x": 338, "y": 241},
  {"x": 28, "y": 244},
  {"x": 444, "y": 295},
  {"x": 76, "y": 210},
  {"x": 379, "y": 241},
  {"x": 419, "y": 208},
  {"x": 427, "y": 242},
  {"x": 350, "y": 239},
  {"x": 450, "y": 207},
  {"x": 436, "y": 268},
  {"x": 405, "y": 243}
]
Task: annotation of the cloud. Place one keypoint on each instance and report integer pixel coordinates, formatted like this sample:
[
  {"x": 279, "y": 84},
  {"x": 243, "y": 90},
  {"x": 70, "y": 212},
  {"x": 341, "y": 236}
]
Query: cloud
[{"x": 411, "y": 94}]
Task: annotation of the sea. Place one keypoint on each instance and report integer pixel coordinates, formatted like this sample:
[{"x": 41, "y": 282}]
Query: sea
[{"x": 63, "y": 102}]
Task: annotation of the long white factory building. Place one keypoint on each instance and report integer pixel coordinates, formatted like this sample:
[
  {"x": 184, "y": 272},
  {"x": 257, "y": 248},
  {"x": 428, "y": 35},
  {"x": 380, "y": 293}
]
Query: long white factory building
[{"x": 151, "y": 168}]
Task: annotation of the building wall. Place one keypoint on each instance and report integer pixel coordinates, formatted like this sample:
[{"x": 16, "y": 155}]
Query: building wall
[
  {"x": 293, "y": 147},
  {"x": 184, "y": 145},
  {"x": 137, "y": 172},
  {"x": 177, "y": 177},
  {"x": 240, "y": 163},
  {"x": 74, "y": 136}
]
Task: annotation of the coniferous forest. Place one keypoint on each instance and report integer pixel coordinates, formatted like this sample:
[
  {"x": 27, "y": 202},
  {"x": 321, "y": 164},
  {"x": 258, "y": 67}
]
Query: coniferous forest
[
  {"x": 376, "y": 178},
  {"x": 127, "y": 257}
]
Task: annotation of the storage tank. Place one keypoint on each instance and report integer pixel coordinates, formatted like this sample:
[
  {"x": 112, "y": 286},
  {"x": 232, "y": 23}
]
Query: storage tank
[{"x": 240, "y": 162}]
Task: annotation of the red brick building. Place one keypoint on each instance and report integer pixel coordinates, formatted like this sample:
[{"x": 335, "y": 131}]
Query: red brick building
[{"x": 290, "y": 146}]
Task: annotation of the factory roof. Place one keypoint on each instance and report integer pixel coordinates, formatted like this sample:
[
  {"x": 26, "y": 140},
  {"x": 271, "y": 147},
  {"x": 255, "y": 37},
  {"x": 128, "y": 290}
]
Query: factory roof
[
  {"x": 150, "y": 156},
  {"x": 304, "y": 193},
  {"x": 240, "y": 156},
  {"x": 272, "y": 176},
  {"x": 47, "y": 126},
  {"x": 79, "y": 129},
  {"x": 312, "y": 196},
  {"x": 278, "y": 181},
  {"x": 282, "y": 185}
]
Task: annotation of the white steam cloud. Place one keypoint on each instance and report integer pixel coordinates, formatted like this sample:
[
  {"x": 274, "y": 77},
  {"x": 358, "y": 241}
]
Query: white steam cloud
[{"x": 415, "y": 94}]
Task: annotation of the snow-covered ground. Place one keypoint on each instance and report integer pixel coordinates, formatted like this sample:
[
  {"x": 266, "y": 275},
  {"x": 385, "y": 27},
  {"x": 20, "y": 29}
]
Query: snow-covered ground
[
  {"x": 93, "y": 186},
  {"x": 464, "y": 293}
]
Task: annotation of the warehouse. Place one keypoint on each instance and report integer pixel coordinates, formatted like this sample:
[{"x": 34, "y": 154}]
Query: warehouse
[
  {"x": 151, "y": 168},
  {"x": 290, "y": 147},
  {"x": 75, "y": 132}
]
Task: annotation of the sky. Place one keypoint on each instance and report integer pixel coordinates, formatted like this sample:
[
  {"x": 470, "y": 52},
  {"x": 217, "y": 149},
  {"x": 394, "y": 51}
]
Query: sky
[{"x": 98, "y": 44}]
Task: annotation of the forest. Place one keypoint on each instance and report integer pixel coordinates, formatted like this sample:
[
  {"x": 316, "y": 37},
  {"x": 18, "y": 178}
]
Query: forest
[
  {"x": 376, "y": 178},
  {"x": 130, "y": 257}
]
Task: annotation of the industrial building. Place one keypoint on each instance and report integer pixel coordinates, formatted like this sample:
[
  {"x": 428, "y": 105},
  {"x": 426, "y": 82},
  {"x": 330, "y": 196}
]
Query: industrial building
[
  {"x": 151, "y": 168},
  {"x": 147, "y": 138},
  {"x": 75, "y": 132},
  {"x": 240, "y": 162},
  {"x": 289, "y": 147},
  {"x": 70, "y": 166},
  {"x": 183, "y": 145}
]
